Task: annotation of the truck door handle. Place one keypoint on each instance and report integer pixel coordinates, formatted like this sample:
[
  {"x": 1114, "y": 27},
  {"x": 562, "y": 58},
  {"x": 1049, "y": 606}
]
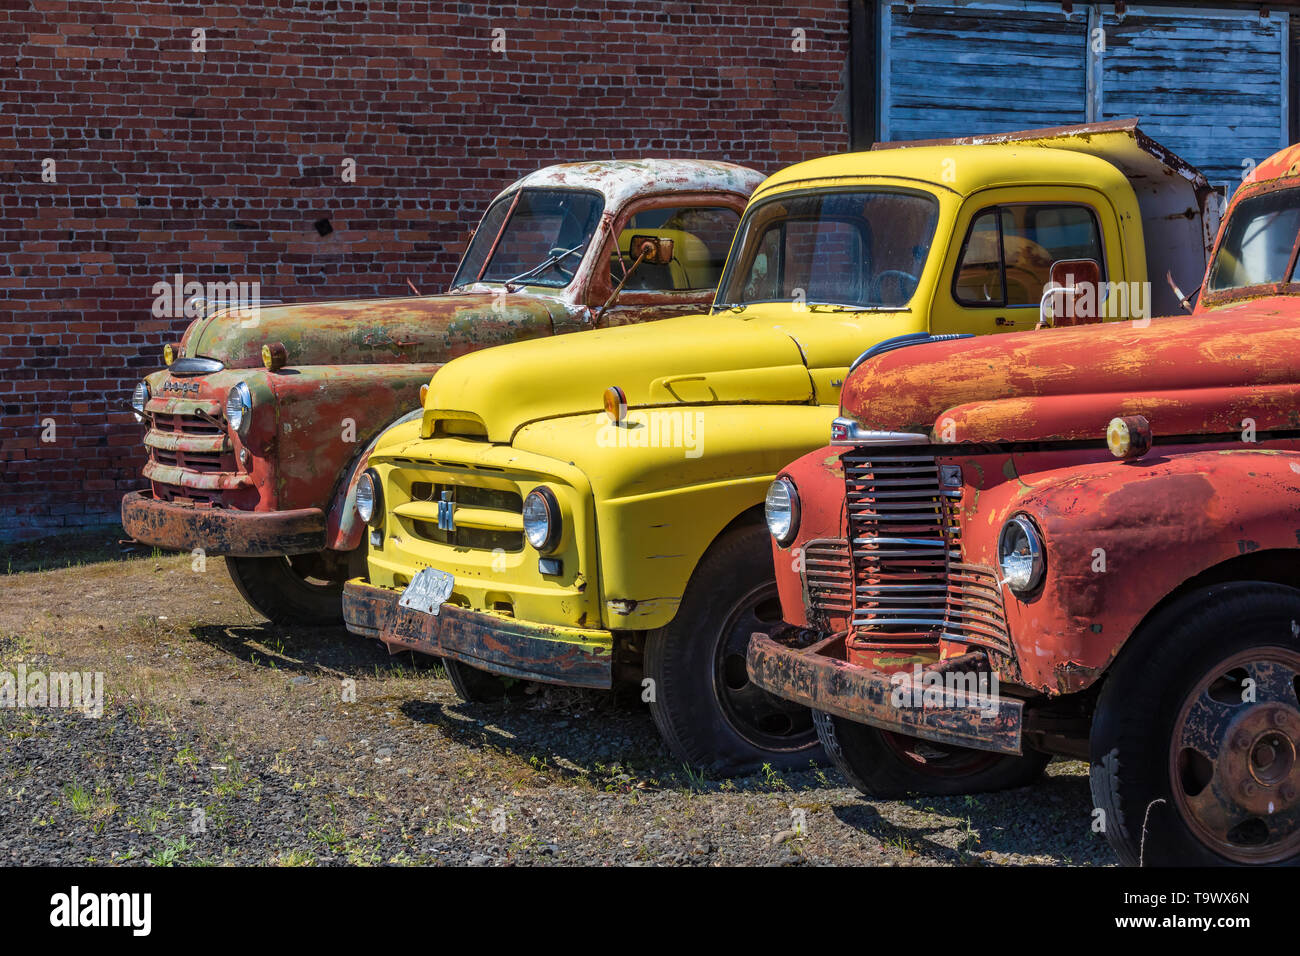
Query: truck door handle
[{"x": 1003, "y": 320}]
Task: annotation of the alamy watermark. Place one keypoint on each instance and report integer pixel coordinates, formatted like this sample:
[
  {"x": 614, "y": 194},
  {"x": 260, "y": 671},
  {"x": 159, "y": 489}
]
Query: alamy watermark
[
  {"x": 22, "y": 689},
  {"x": 654, "y": 428},
  {"x": 934, "y": 690},
  {"x": 192, "y": 299},
  {"x": 1098, "y": 300}
]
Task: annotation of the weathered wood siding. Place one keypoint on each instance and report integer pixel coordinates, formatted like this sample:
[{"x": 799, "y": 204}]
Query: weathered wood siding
[{"x": 1210, "y": 83}]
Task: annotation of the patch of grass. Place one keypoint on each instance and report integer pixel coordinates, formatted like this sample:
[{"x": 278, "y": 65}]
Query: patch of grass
[
  {"x": 292, "y": 858},
  {"x": 97, "y": 805},
  {"x": 772, "y": 778},
  {"x": 696, "y": 780},
  {"x": 78, "y": 799},
  {"x": 172, "y": 852}
]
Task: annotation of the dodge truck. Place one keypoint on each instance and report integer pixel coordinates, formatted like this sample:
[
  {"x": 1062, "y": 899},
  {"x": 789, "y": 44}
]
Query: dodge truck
[{"x": 261, "y": 420}]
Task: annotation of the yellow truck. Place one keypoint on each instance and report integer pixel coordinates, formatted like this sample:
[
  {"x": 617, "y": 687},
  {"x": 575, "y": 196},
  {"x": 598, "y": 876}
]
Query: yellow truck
[{"x": 589, "y": 511}]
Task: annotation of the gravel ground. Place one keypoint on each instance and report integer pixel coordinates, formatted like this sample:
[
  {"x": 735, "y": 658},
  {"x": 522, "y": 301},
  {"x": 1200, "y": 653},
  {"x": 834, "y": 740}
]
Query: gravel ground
[{"x": 227, "y": 740}]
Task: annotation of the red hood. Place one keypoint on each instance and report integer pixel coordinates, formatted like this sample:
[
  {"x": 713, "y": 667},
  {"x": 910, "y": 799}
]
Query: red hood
[{"x": 1197, "y": 375}]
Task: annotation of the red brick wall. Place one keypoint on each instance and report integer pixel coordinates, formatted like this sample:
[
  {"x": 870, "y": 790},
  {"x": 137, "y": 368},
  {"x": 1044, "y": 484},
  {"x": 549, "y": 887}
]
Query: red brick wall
[{"x": 217, "y": 165}]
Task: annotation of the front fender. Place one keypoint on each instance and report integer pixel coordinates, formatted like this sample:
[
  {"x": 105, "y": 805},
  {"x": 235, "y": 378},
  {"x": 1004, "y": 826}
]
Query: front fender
[
  {"x": 326, "y": 415},
  {"x": 1121, "y": 536},
  {"x": 343, "y": 529},
  {"x": 668, "y": 483}
]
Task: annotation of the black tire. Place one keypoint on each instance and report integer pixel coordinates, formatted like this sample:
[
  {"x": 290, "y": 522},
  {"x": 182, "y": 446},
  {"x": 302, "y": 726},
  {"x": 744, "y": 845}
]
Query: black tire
[
  {"x": 708, "y": 712},
  {"x": 887, "y": 765},
  {"x": 284, "y": 592},
  {"x": 475, "y": 686},
  {"x": 1175, "y": 748}
]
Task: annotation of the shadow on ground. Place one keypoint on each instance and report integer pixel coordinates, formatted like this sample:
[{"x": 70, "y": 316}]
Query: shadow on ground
[{"x": 306, "y": 650}]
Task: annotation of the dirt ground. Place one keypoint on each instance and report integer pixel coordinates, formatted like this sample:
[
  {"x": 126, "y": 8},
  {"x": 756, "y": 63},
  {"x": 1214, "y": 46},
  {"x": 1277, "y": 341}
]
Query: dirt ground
[{"x": 226, "y": 740}]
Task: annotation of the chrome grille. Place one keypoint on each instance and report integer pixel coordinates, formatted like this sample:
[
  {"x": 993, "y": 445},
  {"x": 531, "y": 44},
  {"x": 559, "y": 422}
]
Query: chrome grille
[
  {"x": 499, "y": 511},
  {"x": 827, "y": 578},
  {"x": 910, "y": 583},
  {"x": 194, "y": 444}
]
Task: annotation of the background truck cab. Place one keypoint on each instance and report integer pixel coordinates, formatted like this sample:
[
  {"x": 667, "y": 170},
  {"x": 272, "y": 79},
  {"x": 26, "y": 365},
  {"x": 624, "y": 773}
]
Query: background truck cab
[
  {"x": 1102, "y": 528},
  {"x": 588, "y": 511},
  {"x": 261, "y": 421}
]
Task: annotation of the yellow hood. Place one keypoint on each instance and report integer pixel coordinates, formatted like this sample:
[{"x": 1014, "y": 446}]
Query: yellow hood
[{"x": 693, "y": 360}]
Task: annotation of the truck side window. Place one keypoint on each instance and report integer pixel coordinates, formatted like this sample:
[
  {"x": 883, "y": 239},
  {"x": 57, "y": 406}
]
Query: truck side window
[
  {"x": 701, "y": 238},
  {"x": 1008, "y": 253},
  {"x": 979, "y": 276}
]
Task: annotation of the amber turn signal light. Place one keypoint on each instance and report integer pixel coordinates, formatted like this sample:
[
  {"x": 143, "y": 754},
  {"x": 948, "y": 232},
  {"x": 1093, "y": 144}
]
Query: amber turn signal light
[
  {"x": 424, "y": 392},
  {"x": 1129, "y": 437},
  {"x": 171, "y": 353},
  {"x": 275, "y": 356},
  {"x": 615, "y": 404}
]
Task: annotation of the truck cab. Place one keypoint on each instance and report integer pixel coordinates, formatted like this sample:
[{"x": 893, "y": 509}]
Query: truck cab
[
  {"x": 1075, "y": 542},
  {"x": 263, "y": 416},
  {"x": 590, "y": 511}
]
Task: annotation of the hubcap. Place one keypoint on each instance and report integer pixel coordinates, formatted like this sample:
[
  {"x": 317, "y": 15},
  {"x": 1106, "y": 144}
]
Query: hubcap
[
  {"x": 765, "y": 721},
  {"x": 1233, "y": 759}
]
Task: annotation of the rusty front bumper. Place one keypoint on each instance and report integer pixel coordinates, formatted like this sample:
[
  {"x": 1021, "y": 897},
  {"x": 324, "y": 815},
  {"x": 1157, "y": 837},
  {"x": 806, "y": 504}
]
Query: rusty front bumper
[
  {"x": 578, "y": 657},
  {"x": 809, "y": 677},
  {"x": 240, "y": 534}
]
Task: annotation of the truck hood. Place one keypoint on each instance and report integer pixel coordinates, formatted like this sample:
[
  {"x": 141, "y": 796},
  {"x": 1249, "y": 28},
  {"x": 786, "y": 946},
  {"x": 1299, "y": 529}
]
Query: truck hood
[
  {"x": 691, "y": 360},
  {"x": 1186, "y": 375},
  {"x": 433, "y": 328}
]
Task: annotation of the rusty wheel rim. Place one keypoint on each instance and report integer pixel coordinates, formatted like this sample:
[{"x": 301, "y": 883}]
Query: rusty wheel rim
[
  {"x": 1234, "y": 761},
  {"x": 766, "y": 721},
  {"x": 938, "y": 760}
]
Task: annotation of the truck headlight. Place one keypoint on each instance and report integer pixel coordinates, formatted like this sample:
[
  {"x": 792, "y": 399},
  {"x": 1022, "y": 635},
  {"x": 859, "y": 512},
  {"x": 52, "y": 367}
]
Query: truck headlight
[
  {"x": 542, "y": 525},
  {"x": 370, "y": 498},
  {"x": 239, "y": 403},
  {"x": 140, "y": 398},
  {"x": 1020, "y": 553},
  {"x": 782, "y": 510}
]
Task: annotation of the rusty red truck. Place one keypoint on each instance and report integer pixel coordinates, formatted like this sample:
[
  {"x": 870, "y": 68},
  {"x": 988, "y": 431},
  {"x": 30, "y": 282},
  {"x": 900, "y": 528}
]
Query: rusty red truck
[
  {"x": 1082, "y": 542},
  {"x": 259, "y": 425}
]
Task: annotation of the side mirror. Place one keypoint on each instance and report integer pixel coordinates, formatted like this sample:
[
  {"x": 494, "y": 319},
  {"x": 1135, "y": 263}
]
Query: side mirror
[
  {"x": 642, "y": 249},
  {"x": 651, "y": 249},
  {"x": 1073, "y": 294}
]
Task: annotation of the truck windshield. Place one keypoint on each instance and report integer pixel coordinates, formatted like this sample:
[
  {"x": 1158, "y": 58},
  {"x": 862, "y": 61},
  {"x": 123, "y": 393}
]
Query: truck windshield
[
  {"x": 859, "y": 249},
  {"x": 1258, "y": 242},
  {"x": 536, "y": 236}
]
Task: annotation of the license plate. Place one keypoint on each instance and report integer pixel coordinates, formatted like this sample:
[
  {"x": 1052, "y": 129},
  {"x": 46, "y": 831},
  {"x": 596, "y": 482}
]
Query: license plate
[{"x": 428, "y": 590}]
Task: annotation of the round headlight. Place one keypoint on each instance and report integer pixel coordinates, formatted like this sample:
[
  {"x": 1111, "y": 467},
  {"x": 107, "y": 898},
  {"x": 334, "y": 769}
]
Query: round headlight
[
  {"x": 1020, "y": 552},
  {"x": 542, "y": 520},
  {"x": 369, "y": 498},
  {"x": 782, "y": 510},
  {"x": 238, "y": 405},
  {"x": 139, "y": 398}
]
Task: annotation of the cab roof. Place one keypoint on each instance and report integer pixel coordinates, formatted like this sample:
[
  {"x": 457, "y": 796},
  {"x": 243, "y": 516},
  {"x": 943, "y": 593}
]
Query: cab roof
[
  {"x": 1091, "y": 153},
  {"x": 619, "y": 180}
]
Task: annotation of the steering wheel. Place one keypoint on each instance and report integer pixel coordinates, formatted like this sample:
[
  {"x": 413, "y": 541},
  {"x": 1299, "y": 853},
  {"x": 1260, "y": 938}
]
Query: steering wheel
[{"x": 878, "y": 282}]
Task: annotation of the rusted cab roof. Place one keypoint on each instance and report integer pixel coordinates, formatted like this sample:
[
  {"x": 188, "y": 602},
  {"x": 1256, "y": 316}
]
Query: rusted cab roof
[{"x": 619, "y": 180}]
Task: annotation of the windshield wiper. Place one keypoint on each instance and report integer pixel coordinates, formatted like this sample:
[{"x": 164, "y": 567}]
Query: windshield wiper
[
  {"x": 837, "y": 307},
  {"x": 551, "y": 261}
]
